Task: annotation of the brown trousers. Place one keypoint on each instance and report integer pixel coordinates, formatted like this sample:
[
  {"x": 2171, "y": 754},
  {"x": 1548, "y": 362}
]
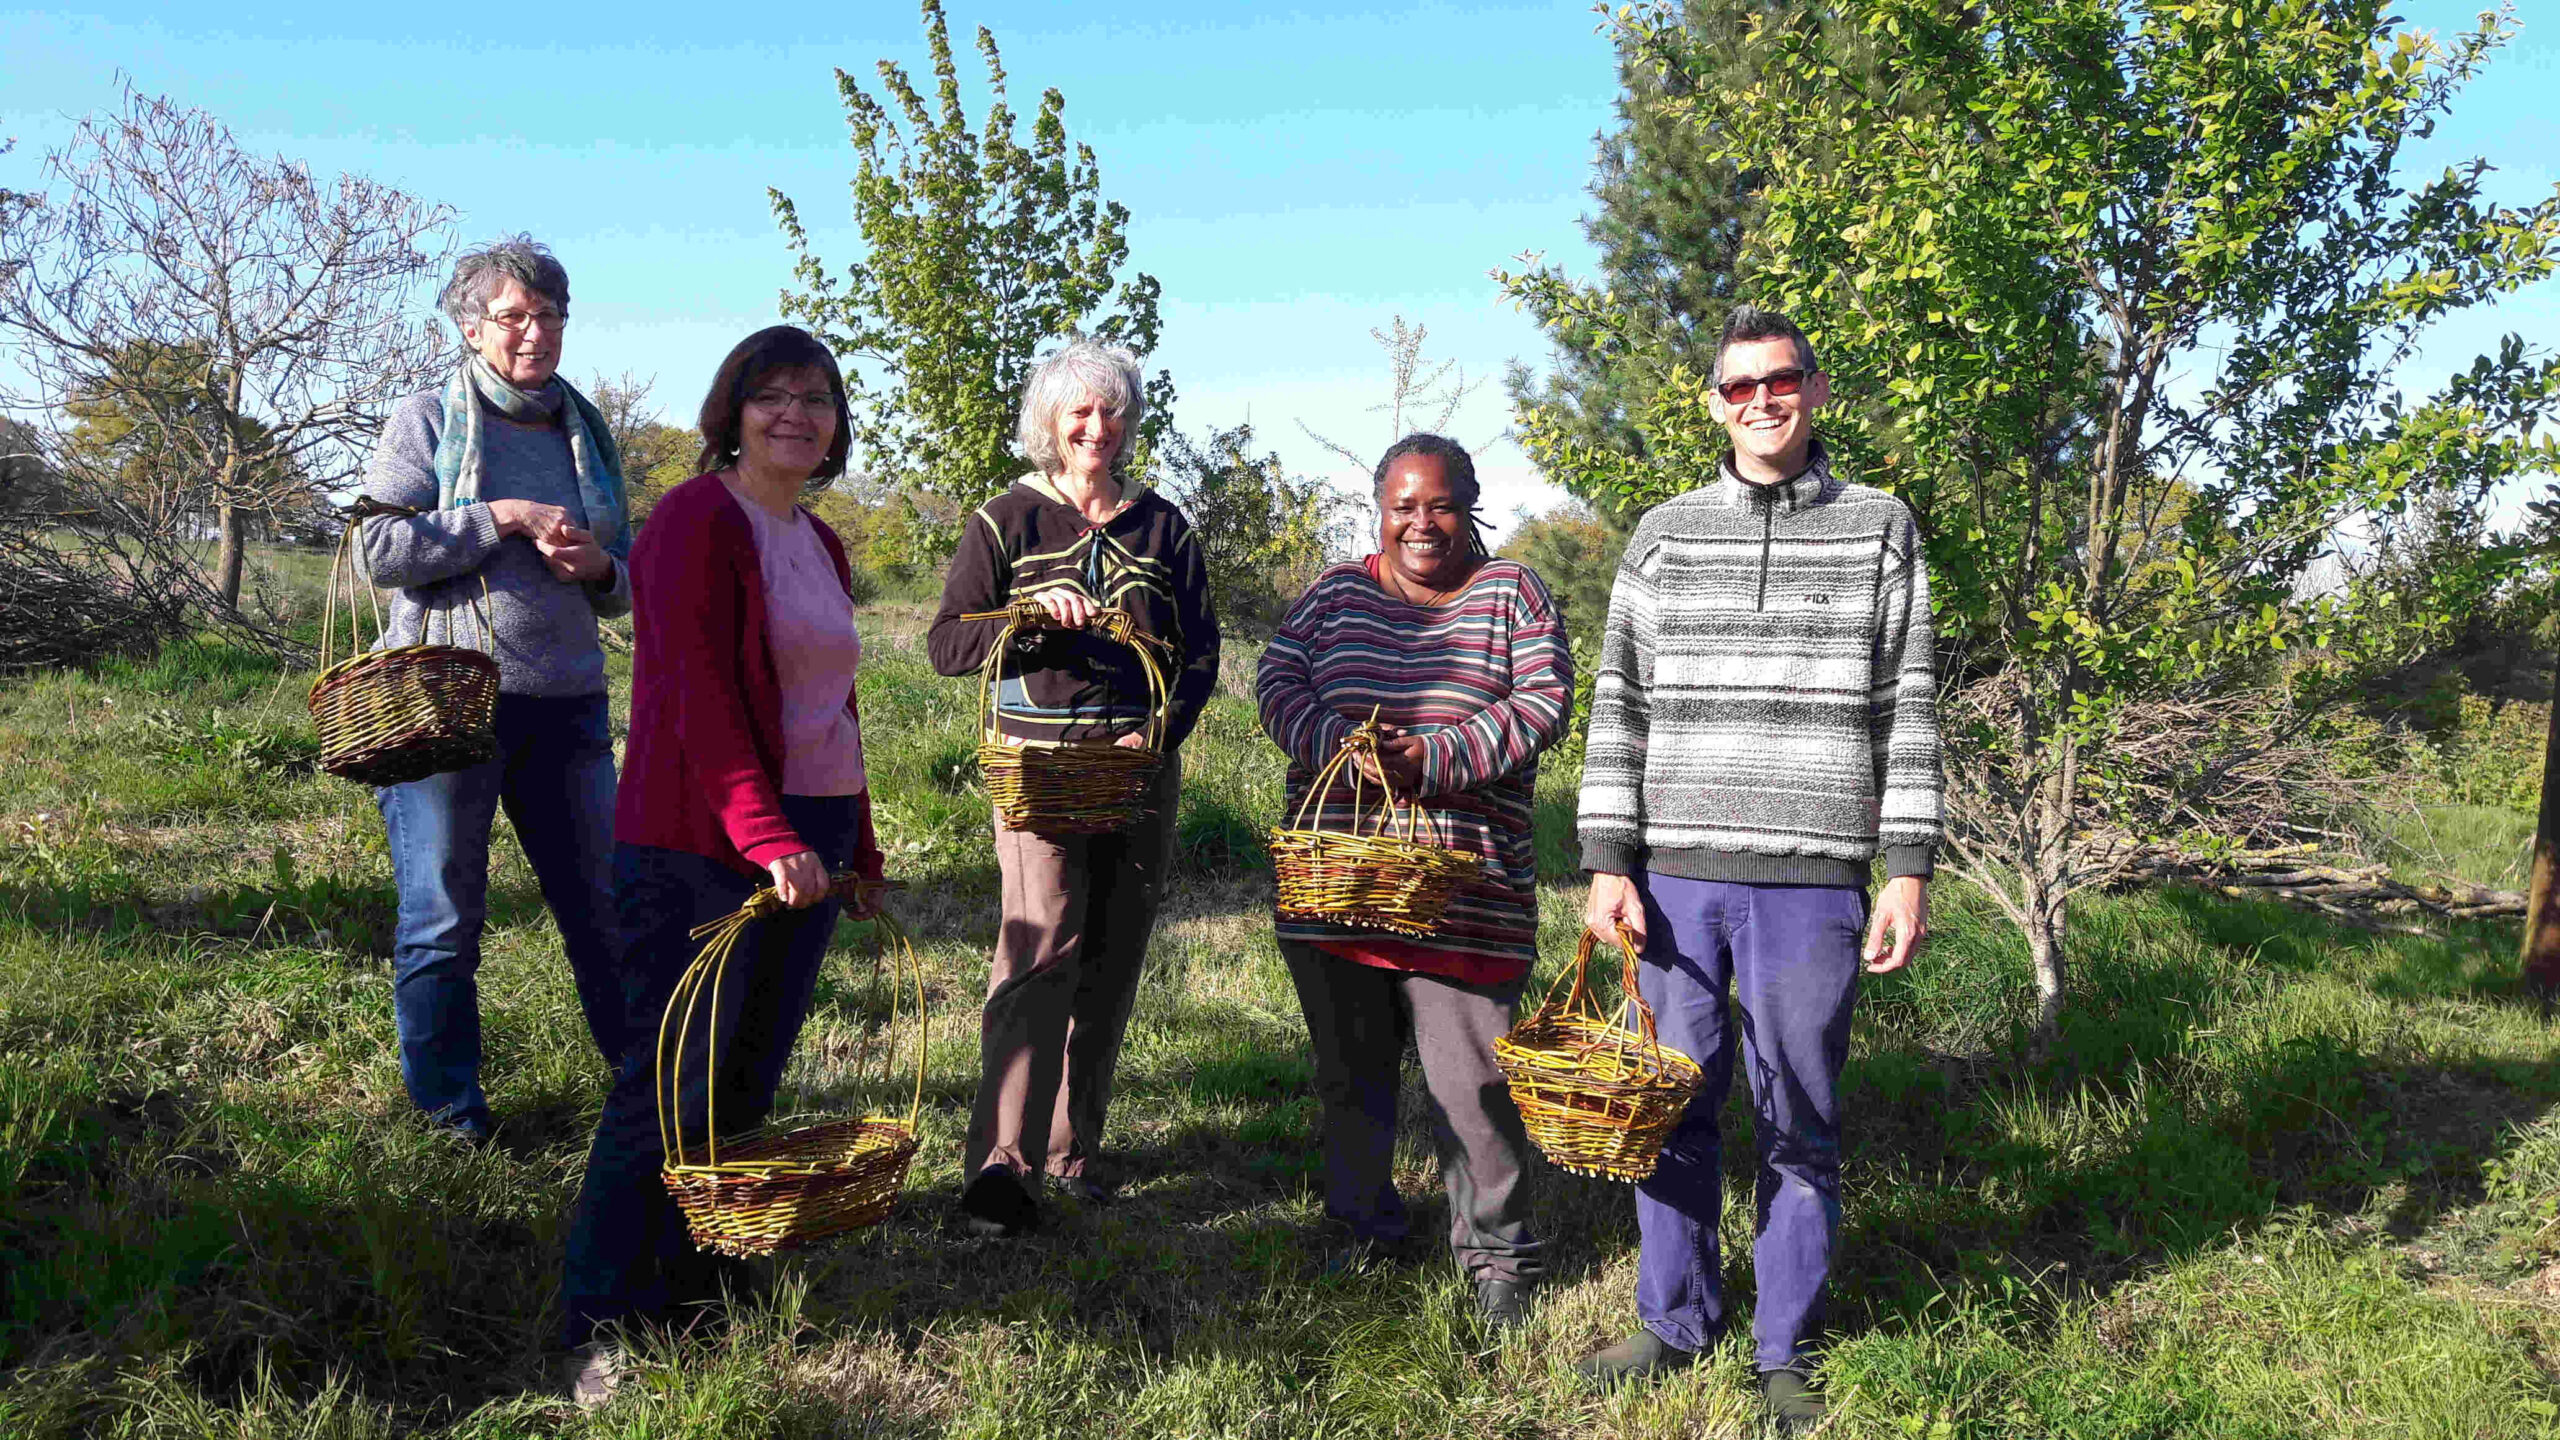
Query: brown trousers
[{"x": 1077, "y": 913}]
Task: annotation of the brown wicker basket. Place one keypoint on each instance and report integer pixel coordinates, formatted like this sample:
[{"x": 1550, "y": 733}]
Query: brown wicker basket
[
  {"x": 1391, "y": 878},
  {"x": 387, "y": 717},
  {"x": 784, "y": 1189},
  {"x": 1598, "y": 1097},
  {"x": 1069, "y": 787}
]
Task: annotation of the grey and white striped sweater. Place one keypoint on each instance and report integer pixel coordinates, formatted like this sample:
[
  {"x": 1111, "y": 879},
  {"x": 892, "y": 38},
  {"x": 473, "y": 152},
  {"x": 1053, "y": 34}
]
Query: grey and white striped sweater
[{"x": 1766, "y": 709}]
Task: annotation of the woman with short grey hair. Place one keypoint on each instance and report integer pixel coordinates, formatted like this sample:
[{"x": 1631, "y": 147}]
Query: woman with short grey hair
[
  {"x": 509, "y": 487},
  {"x": 1076, "y": 535}
]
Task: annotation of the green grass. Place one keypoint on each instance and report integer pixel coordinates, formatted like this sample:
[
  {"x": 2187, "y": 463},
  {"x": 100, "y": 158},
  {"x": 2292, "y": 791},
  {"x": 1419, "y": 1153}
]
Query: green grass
[
  {"x": 2279, "y": 1179},
  {"x": 2484, "y": 844}
]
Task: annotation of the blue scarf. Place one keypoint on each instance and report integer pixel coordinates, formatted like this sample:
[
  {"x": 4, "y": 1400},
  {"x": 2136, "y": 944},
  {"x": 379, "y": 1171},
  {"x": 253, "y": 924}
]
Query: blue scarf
[{"x": 459, "y": 448}]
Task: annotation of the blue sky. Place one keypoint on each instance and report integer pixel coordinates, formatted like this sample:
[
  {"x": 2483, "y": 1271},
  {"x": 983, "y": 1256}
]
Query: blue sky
[{"x": 1297, "y": 174}]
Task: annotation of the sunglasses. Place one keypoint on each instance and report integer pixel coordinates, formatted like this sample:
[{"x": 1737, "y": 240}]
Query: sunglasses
[{"x": 1780, "y": 382}]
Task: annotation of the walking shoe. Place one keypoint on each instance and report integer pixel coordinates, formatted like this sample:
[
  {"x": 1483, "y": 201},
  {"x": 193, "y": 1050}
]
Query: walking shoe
[
  {"x": 1084, "y": 1189},
  {"x": 1641, "y": 1356},
  {"x": 1503, "y": 1305},
  {"x": 1787, "y": 1399},
  {"x": 1349, "y": 1254},
  {"x": 594, "y": 1371},
  {"x": 997, "y": 1203}
]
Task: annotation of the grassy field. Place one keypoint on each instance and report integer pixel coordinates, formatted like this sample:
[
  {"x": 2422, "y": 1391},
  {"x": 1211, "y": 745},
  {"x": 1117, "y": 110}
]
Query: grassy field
[{"x": 2280, "y": 1180}]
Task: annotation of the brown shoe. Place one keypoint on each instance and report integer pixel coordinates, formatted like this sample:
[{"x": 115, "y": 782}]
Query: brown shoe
[{"x": 1641, "y": 1356}]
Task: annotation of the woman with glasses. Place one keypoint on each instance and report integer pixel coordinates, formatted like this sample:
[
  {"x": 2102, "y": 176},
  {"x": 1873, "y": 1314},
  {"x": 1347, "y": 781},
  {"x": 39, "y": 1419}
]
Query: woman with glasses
[
  {"x": 517, "y": 492},
  {"x": 1075, "y": 535},
  {"x": 1461, "y": 657},
  {"x": 744, "y": 769}
]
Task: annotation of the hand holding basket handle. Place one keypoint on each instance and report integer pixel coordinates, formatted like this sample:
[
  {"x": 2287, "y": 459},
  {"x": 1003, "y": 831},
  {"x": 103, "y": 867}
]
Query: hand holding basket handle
[
  {"x": 1598, "y": 1097},
  {"x": 1071, "y": 787}
]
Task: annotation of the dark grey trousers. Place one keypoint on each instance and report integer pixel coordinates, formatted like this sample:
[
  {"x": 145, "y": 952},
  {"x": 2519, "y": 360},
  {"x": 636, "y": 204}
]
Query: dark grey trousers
[{"x": 1359, "y": 1019}]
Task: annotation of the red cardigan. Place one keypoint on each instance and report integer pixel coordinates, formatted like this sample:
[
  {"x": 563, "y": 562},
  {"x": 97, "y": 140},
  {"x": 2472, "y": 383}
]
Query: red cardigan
[{"x": 702, "y": 771}]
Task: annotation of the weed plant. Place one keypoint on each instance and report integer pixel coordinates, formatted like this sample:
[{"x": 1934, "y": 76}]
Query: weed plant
[{"x": 2280, "y": 1178}]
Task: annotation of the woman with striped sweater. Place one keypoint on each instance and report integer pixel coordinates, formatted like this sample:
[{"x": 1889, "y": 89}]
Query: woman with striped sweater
[{"x": 1462, "y": 657}]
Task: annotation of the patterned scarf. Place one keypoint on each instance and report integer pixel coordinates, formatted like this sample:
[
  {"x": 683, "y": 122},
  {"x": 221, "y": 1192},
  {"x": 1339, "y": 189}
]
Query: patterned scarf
[{"x": 459, "y": 449}]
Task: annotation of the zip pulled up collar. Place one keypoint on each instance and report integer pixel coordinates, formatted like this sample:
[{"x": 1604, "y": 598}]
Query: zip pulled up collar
[{"x": 1799, "y": 491}]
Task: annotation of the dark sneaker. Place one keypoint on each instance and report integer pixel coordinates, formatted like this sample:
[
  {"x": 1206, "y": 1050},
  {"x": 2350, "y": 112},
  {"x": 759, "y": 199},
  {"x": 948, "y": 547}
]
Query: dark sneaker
[
  {"x": 1641, "y": 1356},
  {"x": 478, "y": 1132},
  {"x": 1084, "y": 1189},
  {"x": 1787, "y": 1399},
  {"x": 1503, "y": 1305},
  {"x": 1349, "y": 1254},
  {"x": 997, "y": 1203}
]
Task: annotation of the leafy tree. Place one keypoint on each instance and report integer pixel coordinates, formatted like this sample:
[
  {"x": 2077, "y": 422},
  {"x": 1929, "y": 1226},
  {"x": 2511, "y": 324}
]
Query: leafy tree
[
  {"x": 1576, "y": 553},
  {"x": 655, "y": 455},
  {"x": 2133, "y": 283},
  {"x": 145, "y": 429},
  {"x": 249, "y": 321},
  {"x": 978, "y": 250},
  {"x": 1262, "y": 532},
  {"x": 1670, "y": 232}
]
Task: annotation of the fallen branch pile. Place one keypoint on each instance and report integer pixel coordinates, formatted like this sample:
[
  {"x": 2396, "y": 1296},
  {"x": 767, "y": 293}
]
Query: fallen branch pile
[{"x": 2357, "y": 892}]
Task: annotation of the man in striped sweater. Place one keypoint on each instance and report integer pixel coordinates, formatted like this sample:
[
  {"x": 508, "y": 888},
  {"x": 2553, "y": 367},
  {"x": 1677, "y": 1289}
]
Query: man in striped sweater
[{"x": 1764, "y": 723}]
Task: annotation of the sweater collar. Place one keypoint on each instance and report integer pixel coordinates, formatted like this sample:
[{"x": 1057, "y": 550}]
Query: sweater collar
[
  {"x": 1042, "y": 486},
  {"x": 1799, "y": 491}
]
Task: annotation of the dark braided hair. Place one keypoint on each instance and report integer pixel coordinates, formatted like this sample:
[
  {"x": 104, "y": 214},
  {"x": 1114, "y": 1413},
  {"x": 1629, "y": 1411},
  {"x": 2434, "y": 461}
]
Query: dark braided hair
[{"x": 1454, "y": 461}]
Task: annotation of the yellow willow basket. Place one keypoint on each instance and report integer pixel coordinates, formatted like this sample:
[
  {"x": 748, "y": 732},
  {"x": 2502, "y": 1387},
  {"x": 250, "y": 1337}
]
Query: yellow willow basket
[
  {"x": 1388, "y": 879},
  {"x": 783, "y": 1189},
  {"x": 387, "y": 717},
  {"x": 1069, "y": 787},
  {"x": 1598, "y": 1097}
]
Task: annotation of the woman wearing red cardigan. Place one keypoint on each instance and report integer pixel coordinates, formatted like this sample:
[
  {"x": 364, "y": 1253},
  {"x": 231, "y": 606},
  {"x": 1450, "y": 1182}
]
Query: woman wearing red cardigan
[{"x": 744, "y": 768}]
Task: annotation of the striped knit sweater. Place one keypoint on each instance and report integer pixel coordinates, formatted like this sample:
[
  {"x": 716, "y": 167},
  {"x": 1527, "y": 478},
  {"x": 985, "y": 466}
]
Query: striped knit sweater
[
  {"x": 1765, "y": 709},
  {"x": 1487, "y": 682}
]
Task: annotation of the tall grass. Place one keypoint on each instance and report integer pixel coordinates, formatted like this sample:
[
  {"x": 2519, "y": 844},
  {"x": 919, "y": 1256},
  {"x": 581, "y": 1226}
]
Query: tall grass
[{"x": 2280, "y": 1179}]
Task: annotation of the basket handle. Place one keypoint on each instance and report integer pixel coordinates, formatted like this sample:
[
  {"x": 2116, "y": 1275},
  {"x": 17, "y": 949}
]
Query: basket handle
[
  {"x": 1363, "y": 740},
  {"x": 1113, "y": 623},
  {"x": 349, "y": 561},
  {"x": 1581, "y": 999},
  {"x": 702, "y": 981}
]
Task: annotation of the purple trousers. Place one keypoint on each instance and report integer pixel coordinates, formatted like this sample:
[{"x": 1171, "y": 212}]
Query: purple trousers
[{"x": 1790, "y": 955}]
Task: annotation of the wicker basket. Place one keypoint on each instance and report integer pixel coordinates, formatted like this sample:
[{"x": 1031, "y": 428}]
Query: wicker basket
[
  {"x": 783, "y": 1189},
  {"x": 1069, "y": 787},
  {"x": 1391, "y": 878},
  {"x": 387, "y": 717},
  {"x": 1598, "y": 1097}
]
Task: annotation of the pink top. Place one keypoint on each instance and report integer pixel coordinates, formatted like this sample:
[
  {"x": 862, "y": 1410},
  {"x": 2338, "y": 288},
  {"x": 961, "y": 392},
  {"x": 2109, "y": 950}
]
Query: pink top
[{"x": 815, "y": 653}]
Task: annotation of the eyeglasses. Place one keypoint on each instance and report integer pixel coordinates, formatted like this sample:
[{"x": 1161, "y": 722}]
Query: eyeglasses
[
  {"x": 817, "y": 402},
  {"x": 1738, "y": 391},
  {"x": 516, "y": 322}
]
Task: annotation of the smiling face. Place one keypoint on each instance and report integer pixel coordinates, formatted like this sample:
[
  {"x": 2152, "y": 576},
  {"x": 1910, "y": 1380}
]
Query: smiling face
[
  {"x": 1422, "y": 527},
  {"x": 518, "y": 334},
  {"x": 788, "y": 424},
  {"x": 1088, "y": 437},
  {"x": 1772, "y": 434}
]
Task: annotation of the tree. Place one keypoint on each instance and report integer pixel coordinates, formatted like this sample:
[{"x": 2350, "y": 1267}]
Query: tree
[
  {"x": 1576, "y": 552},
  {"x": 141, "y": 433},
  {"x": 656, "y": 456},
  {"x": 274, "y": 309},
  {"x": 1669, "y": 230},
  {"x": 2134, "y": 284},
  {"x": 979, "y": 249},
  {"x": 1422, "y": 395},
  {"x": 1262, "y": 532}
]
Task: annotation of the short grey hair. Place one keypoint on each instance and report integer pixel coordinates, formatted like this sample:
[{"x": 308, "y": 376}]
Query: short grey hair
[
  {"x": 483, "y": 269},
  {"x": 1747, "y": 322},
  {"x": 1074, "y": 370}
]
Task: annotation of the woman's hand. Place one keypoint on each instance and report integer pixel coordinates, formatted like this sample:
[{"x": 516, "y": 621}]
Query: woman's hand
[
  {"x": 1134, "y": 740},
  {"x": 1399, "y": 762},
  {"x": 1071, "y": 609},
  {"x": 535, "y": 521},
  {"x": 575, "y": 557},
  {"x": 800, "y": 879}
]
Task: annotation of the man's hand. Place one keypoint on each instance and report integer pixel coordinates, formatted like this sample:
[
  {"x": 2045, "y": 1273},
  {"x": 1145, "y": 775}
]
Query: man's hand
[
  {"x": 575, "y": 557},
  {"x": 1070, "y": 608},
  {"x": 1615, "y": 902},
  {"x": 535, "y": 521},
  {"x": 1903, "y": 912},
  {"x": 800, "y": 879}
]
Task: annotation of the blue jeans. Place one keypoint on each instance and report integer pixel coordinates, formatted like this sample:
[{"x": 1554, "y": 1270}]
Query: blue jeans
[
  {"x": 1790, "y": 952},
  {"x": 554, "y": 774},
  {"x": 630, "y": 1257}
]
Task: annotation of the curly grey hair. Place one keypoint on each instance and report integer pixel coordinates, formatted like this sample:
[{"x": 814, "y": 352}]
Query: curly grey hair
[
  {"x": 1747, "y": 321},
  {"x": 484, "y": 268},
  {"x": 1076, "y": 369}
]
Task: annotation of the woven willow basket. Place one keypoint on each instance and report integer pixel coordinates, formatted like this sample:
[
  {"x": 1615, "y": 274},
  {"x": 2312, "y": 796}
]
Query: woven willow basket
[
  {"x": 387, "y": 717},
  {"x": 784, "y": 1189},
  {"x": 1598, "y": 1097},
  {"x": 1391, "y": 878},
  {"x": 1069, "y": 787}
]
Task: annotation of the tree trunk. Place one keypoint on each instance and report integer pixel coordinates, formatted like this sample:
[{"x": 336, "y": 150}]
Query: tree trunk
[
  {"x": 228, "y": 523},
  {"x": 2541, "y": 958},
  {"x": 2045, "y": 924}
]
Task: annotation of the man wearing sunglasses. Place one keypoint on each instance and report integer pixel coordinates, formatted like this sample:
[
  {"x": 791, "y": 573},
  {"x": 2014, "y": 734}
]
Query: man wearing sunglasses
[{"x": 1764, "y": 725}]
